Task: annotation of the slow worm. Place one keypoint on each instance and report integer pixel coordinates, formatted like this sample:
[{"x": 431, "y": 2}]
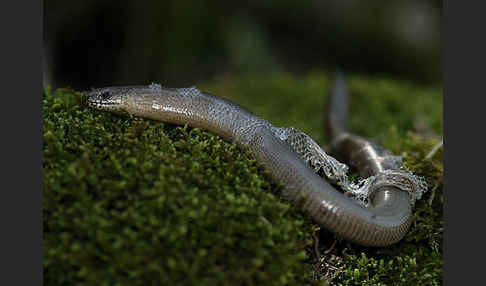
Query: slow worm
[{"x": 383, "y": 220}]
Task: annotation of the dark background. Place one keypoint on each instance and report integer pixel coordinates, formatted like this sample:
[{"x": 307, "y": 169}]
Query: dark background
[{"x": 93, "y": 43}]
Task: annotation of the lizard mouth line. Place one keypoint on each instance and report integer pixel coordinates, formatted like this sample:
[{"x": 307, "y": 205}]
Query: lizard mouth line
[{"x": 93, "y": 101}]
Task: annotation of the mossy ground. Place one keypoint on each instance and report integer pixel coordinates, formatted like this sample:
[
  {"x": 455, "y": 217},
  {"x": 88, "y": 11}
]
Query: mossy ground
[{"x": 129, "y": 201}]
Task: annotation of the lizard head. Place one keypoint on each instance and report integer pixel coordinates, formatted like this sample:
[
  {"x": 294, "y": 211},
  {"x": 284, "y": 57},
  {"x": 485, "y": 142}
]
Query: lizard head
[{"x": 108, "y": 98}]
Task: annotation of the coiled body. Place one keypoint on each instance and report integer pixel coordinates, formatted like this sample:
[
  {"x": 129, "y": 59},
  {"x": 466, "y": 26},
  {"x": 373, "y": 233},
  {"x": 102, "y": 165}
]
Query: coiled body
[{"x": 383, "y": 222}]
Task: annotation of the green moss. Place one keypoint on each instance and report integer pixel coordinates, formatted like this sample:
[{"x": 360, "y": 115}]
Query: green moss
[{"x": 129, "y": 201}]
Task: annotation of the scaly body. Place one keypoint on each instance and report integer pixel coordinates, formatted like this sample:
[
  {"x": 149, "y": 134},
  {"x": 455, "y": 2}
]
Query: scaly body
[{"x": 384, "y": 221}]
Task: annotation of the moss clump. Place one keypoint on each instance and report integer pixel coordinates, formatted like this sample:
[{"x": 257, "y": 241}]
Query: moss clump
[
  {"x": 129, "y": 201},
  {"x": 136, "y": 202}
]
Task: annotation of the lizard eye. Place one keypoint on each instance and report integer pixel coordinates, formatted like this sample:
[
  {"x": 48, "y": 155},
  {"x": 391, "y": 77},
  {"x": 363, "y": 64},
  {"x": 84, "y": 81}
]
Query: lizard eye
[{"x": 105, "y": 95}]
